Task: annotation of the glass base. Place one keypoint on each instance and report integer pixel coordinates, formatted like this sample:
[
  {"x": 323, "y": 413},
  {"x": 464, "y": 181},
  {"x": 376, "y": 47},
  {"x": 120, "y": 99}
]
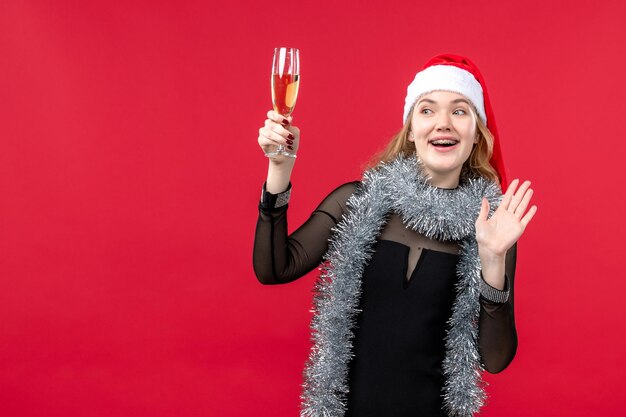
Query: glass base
[{"x": 280, "y": 151}]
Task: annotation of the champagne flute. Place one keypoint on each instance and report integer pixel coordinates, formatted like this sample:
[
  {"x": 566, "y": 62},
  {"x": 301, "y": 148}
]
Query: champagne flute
[{"x": 285, "y": 82}]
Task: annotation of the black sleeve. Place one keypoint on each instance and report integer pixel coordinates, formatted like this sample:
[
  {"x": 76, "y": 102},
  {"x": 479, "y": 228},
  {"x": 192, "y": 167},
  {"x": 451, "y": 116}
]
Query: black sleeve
[
  {"x": 280, "y": 258},
  {"x": 497, "y": 335}
]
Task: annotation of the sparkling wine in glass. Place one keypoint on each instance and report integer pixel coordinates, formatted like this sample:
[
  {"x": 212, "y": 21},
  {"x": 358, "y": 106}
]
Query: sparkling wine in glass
[{"x": 285, "y": 82}]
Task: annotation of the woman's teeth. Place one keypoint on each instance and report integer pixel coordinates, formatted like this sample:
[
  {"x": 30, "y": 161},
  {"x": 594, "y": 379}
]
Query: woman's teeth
[{"x": 444, "y": 142}]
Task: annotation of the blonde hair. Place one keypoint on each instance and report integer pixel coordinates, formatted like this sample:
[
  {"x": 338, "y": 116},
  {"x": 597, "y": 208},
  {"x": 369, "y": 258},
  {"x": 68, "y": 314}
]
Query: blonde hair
[{"x": 477, "y": 165}]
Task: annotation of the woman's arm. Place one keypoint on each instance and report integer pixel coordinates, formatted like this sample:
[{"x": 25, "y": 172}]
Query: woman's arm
[
  {"x": 497, "y": 336},
  {"x": 277, "y": 130},
  {"x": 278, "y": 257},
  {"x": 497, "y": 237}
]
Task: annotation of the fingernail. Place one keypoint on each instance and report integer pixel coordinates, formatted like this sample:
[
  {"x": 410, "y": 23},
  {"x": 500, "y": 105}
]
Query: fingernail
[
  {"x": 285, "y": 121},
  {"x": 290, "y": 148},
  {"x": 291, "y": 136},
  {"x": 289, "y": 142}
]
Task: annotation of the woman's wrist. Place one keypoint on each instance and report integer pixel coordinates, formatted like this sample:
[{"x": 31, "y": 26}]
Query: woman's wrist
[
  {"x": 492, "y": 267},
  {"x": 278, "y": 176},
  {"x": 271, "y": 201},
  {"x": 494, "y": 295}
]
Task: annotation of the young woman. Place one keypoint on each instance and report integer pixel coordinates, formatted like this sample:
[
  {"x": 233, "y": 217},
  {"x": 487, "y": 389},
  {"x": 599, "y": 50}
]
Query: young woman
[{"x": 415, "y": 298}]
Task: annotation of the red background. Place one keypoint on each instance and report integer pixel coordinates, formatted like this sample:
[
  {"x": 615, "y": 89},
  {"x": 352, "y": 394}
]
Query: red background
[{"x": 130, "y": 175}]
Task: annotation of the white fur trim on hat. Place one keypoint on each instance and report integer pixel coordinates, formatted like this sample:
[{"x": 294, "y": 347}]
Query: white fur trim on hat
[{"x": 445, "y": 78}]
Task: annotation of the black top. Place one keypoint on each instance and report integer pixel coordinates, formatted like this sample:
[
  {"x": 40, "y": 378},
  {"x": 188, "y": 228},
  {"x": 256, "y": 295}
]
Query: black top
[
  {"x": 408, "y": 292},
  {"x": 399, "y": 338}
]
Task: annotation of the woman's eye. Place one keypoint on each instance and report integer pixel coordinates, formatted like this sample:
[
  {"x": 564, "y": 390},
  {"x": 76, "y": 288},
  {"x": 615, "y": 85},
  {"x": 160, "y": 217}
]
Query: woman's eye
[
  {"x": 426, "y": 111},
  {"x": 459, "y": 112}
]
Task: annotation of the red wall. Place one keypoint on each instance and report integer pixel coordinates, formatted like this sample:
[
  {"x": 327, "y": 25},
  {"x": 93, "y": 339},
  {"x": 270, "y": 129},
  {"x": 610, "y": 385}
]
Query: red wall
[{"x": 130, "y": 175}]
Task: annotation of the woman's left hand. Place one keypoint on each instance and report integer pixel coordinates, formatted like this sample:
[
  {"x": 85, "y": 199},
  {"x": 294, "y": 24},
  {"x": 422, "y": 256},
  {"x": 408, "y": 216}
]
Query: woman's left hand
[{"x": 497, "y": 234}]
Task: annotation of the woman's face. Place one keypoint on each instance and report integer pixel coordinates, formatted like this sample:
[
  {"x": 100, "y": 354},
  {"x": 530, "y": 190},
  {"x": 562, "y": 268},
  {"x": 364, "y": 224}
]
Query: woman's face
[{"x": 443, "y": 128}]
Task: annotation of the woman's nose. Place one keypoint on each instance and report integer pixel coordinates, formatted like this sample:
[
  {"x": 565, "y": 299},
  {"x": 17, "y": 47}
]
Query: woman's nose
[{"x": 443, "y": 121}]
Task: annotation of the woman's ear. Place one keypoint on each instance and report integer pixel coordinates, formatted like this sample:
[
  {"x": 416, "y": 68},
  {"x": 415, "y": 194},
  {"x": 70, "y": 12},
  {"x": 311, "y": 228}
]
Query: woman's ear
[{"x": 411, "y": 136}]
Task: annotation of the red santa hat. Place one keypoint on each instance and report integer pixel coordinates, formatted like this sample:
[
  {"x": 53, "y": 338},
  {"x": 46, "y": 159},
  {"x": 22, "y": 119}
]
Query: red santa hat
[{"x": 459, "y": 75}]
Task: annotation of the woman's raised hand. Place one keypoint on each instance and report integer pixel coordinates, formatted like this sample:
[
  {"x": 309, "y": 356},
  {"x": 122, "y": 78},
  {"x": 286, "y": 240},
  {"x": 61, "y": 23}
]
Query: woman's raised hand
[
  {"x": 276, "y": 131},
  {"x": 499, "y": 233}
]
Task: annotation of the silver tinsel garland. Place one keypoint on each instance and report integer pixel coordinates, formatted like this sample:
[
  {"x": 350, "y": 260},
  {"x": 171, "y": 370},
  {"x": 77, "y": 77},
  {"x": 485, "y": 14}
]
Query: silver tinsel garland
[{"x": 449, "y": 215}]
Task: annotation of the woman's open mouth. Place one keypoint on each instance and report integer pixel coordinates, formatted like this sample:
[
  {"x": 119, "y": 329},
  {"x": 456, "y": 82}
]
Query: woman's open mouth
[{"x": 443, "y": 144}]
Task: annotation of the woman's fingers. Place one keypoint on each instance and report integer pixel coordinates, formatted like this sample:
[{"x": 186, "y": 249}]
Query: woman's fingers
[
  {"x": 518, "y": 196},
  {"x": 521, "y": 208},
  {"x": 484, "y": 210},
  {"x": 529, "y": 216},
  {"x": 277, "y": 130},
  {"x": 268, "y": 136},
  {"x": 506, "y": 198},
  {"x": 282, "y": 130},
  {"x": 516, "y": 201},
  {"x": 277, "y": 118}
]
